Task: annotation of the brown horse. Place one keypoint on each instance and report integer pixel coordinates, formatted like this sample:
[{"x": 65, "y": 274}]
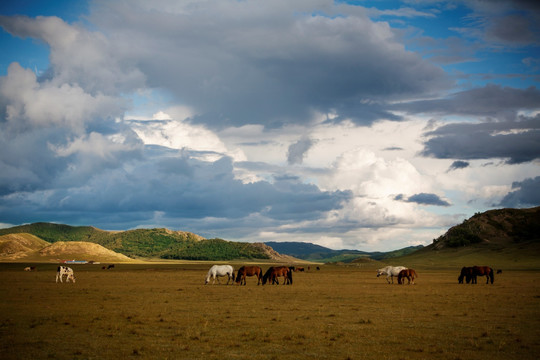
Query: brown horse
[
  {"x": 483, "y": 271},
  {"x": 410, "y": 274},
  {"x": 274, "y": 272},
  {"x": 248, "y": 271},
  {"x": 466, "y": 273}
]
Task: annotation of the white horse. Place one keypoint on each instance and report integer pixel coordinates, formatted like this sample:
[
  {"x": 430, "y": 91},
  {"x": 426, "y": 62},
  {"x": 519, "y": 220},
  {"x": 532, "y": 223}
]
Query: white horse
[
  {"x": 64, "y": 270},
  {"x": 220, "y": 270},
  {"x": 390, "y": 272}
]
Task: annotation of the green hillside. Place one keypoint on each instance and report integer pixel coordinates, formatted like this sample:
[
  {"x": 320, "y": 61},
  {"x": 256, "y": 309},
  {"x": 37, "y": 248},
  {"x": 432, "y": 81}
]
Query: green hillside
[
  {"x": 145, "y": 243},
  {"x": 502, "y": 239}
]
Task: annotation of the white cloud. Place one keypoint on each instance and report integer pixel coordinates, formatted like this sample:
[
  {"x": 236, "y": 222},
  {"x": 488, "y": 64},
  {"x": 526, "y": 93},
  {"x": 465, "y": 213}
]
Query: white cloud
[{"x": 44, "y": 104}]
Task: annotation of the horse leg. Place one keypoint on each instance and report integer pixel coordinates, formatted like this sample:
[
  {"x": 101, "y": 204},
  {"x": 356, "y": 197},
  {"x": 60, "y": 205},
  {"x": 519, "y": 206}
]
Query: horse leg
[{"x": 388, "y": 281}]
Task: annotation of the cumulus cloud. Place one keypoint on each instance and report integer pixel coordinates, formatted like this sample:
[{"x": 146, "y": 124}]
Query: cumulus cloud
[
  {"x": 525, "y": 193},
  {"x": 29, "y": 103},
  {"x": 515, "y": 141},
  {"x": 79, "y": 56},
  {"x": 269, "y": 63}
]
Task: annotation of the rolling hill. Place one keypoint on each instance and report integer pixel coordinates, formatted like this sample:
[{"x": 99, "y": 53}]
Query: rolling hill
[
  {"x": 503, "y": 238},
  {"x": 147, "y": 243},
  {"x": 30, "y": 248}
]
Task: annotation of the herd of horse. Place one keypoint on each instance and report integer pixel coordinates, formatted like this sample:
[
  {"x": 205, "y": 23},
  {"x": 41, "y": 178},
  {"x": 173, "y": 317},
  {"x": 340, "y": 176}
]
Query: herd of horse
[
  {"x": 470, "y": 274},
  {"x": 272, "y": 275}
]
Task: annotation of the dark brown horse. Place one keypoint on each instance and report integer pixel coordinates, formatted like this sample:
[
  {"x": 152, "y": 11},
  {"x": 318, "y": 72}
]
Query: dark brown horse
[
  {"x": 466, "y": 273},
  {"x": 249, "y": 271},
  {"x": 483, "y": 271},
  {"x": 408, "y": 274},
  {"x": 271, "y": 275}
]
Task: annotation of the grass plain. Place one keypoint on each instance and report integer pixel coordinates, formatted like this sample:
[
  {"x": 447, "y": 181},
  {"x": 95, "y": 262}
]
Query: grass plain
[{"x": 164, "y": 311}]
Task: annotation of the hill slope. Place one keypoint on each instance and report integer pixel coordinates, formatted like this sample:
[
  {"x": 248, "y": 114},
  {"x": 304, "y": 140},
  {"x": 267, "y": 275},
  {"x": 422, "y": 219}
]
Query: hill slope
[
  {"x": 147, "y": 243},
  {"x": 16, "y": 246},
  {"x": 504, "y": 238},
  {"x": 81, "y": 250}
]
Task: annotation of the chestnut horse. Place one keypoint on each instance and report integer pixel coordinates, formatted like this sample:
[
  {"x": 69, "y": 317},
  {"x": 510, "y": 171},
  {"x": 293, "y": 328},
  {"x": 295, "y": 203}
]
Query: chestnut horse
[
  {"x": 483, "y": 271},
  {"x": 409, "y": 274},
  {"x": 248, "y": 271},
  {"x": 273, "y": 272}
]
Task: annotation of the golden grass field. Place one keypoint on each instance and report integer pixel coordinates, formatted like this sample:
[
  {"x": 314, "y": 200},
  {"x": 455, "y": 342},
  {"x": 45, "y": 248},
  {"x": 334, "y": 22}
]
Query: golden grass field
[{"x": 164, "y": 311}]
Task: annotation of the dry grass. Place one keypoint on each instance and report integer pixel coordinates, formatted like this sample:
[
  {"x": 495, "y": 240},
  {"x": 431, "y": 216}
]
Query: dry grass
[{"x": 165, "y": 311}]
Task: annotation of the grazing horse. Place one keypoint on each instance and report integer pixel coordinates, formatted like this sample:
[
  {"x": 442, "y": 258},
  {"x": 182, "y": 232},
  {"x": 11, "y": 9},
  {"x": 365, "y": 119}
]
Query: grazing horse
[
  {"x": 466, "y": 273},
  {"x": 483, "y": 271},
  {"x": 64, "y": 270},
  {"x": 299, "y": 269},
  {"x": 30, "y": 268},
  {"x": 409, "y": 274},
  {"x": 390, "y": 272},
  {"x": 274, "y": 272},
  {"x": 249, "y": 271},
  {"x": 220, "y": 270}
]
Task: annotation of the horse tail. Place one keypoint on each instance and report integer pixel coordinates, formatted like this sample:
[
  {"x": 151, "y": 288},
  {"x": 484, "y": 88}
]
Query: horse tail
[{"x": 491, "y": 275}]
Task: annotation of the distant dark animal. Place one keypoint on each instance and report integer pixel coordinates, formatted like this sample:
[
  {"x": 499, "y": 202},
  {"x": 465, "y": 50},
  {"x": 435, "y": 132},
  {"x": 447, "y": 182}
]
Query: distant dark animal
[
  {"x": 499, "y": 271},
  {"x": 220, "y": 270},
  {"x": 299, "y": 269},
  {"x": 466, "y": 273},
  {"x": 483, "y": 271},
  {"x": 318, "y": 268},
  {"x": 249, "y": 271},
  {"x": 30, "y": 268},
  {"x": 103, "y": 268},
  {"x": 64, "y": 270},
  {"x": 271, "y": 275},
  {"x": 408, "y": 274},
  {"x": 110, "y": 267}
]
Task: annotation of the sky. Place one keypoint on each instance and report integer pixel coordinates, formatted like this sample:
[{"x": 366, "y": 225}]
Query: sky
[{"x": 369, "y": 125}]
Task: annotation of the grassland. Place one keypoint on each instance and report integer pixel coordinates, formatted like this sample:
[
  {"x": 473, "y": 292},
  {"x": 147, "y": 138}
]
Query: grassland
[{"x": 163, "y": 311}]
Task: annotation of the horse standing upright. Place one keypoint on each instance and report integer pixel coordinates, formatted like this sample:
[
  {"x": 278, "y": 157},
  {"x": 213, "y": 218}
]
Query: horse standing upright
[
  {"x": 220, "y": 270},
  {"x": 249, "y": 271},
  {"x": 483, "y": 271},
  {"x": 390, "y": 272}
]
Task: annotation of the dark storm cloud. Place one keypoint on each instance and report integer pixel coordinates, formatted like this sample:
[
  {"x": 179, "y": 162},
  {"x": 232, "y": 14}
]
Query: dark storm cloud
[
  {"x": 516, "y": 141},
  {"x": 177, "y": 187},
  {"x": 525, "y": 194},
  {"x": 423, "y": 199},
  {"x": 272, "y": 63},
  {"x": 458, "y": 165},
  {"x": 490, "y": 101}
]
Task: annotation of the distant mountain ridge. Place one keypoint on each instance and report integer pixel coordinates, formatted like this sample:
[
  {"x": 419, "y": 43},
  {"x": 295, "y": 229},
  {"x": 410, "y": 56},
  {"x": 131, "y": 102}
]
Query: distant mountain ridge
[{"x": 317, "y": 253}]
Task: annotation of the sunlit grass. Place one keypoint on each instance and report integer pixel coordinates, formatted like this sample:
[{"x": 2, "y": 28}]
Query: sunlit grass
[{"x": 165, "y": 312}]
